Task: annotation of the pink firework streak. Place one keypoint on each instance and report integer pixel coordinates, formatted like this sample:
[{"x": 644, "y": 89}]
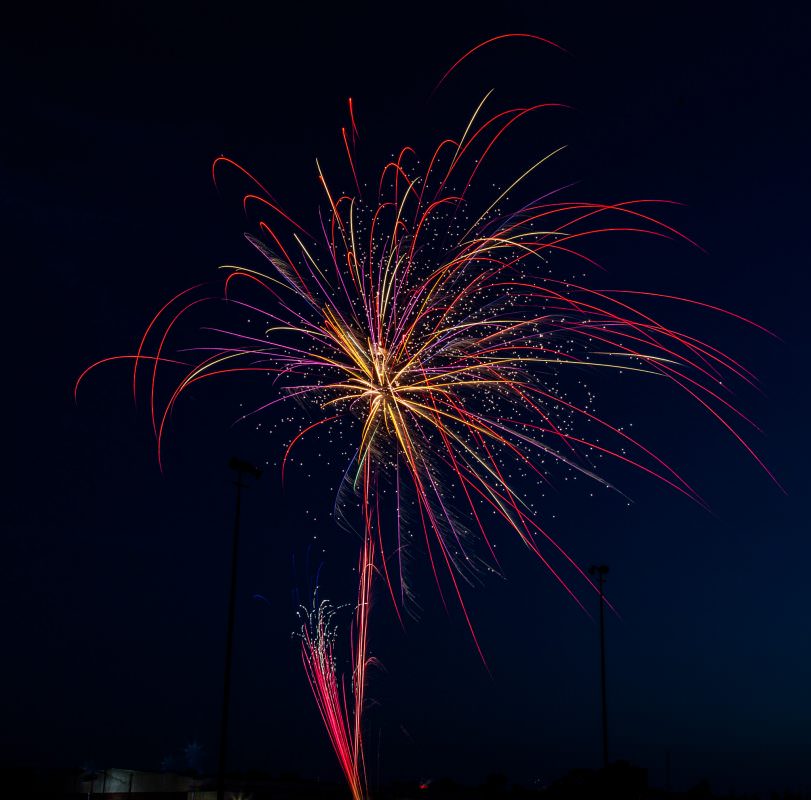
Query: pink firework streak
[
  {"x": 423, "y": 328},
  {"x": 341, "y": 719}
]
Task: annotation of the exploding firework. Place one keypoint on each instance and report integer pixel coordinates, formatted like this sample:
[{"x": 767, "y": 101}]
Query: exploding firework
[
  {"x": 427, "y": 331},
  {"x": 341, "y": 719}
]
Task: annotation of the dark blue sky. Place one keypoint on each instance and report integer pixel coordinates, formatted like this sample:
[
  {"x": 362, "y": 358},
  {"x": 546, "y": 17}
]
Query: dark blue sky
[{"x": 115, "y": 585}]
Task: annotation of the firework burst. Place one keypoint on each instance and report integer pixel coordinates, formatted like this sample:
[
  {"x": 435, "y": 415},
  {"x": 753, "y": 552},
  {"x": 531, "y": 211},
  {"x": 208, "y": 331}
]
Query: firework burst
[
  {"x": 428, "y": 330},
  {"x": 342, "y": 719}
]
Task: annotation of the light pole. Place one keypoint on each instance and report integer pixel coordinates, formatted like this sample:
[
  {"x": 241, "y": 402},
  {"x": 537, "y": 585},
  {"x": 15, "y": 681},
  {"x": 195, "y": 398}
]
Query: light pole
[
  {"x": 241, "y": 468},
  {"x": 601, "y": 572}
]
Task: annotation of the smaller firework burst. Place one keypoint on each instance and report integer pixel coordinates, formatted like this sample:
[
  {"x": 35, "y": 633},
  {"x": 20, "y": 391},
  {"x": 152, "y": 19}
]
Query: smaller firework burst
[{"x": 341, "y": 711}]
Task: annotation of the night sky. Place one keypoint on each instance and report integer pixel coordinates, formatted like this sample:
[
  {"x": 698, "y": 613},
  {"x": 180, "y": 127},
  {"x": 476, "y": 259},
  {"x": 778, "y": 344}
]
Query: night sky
[{"x": 115, "y": 575}]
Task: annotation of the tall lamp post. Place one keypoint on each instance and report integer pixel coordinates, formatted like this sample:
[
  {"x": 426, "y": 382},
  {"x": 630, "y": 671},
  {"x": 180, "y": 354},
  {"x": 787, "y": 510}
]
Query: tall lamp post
[
  {"x": 601, "y": 572},
  {"x": 242, "y": 468}
]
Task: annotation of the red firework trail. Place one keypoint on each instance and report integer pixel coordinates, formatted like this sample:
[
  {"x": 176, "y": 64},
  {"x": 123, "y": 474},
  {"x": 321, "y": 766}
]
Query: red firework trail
[{"x": 341, "y": 719}]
